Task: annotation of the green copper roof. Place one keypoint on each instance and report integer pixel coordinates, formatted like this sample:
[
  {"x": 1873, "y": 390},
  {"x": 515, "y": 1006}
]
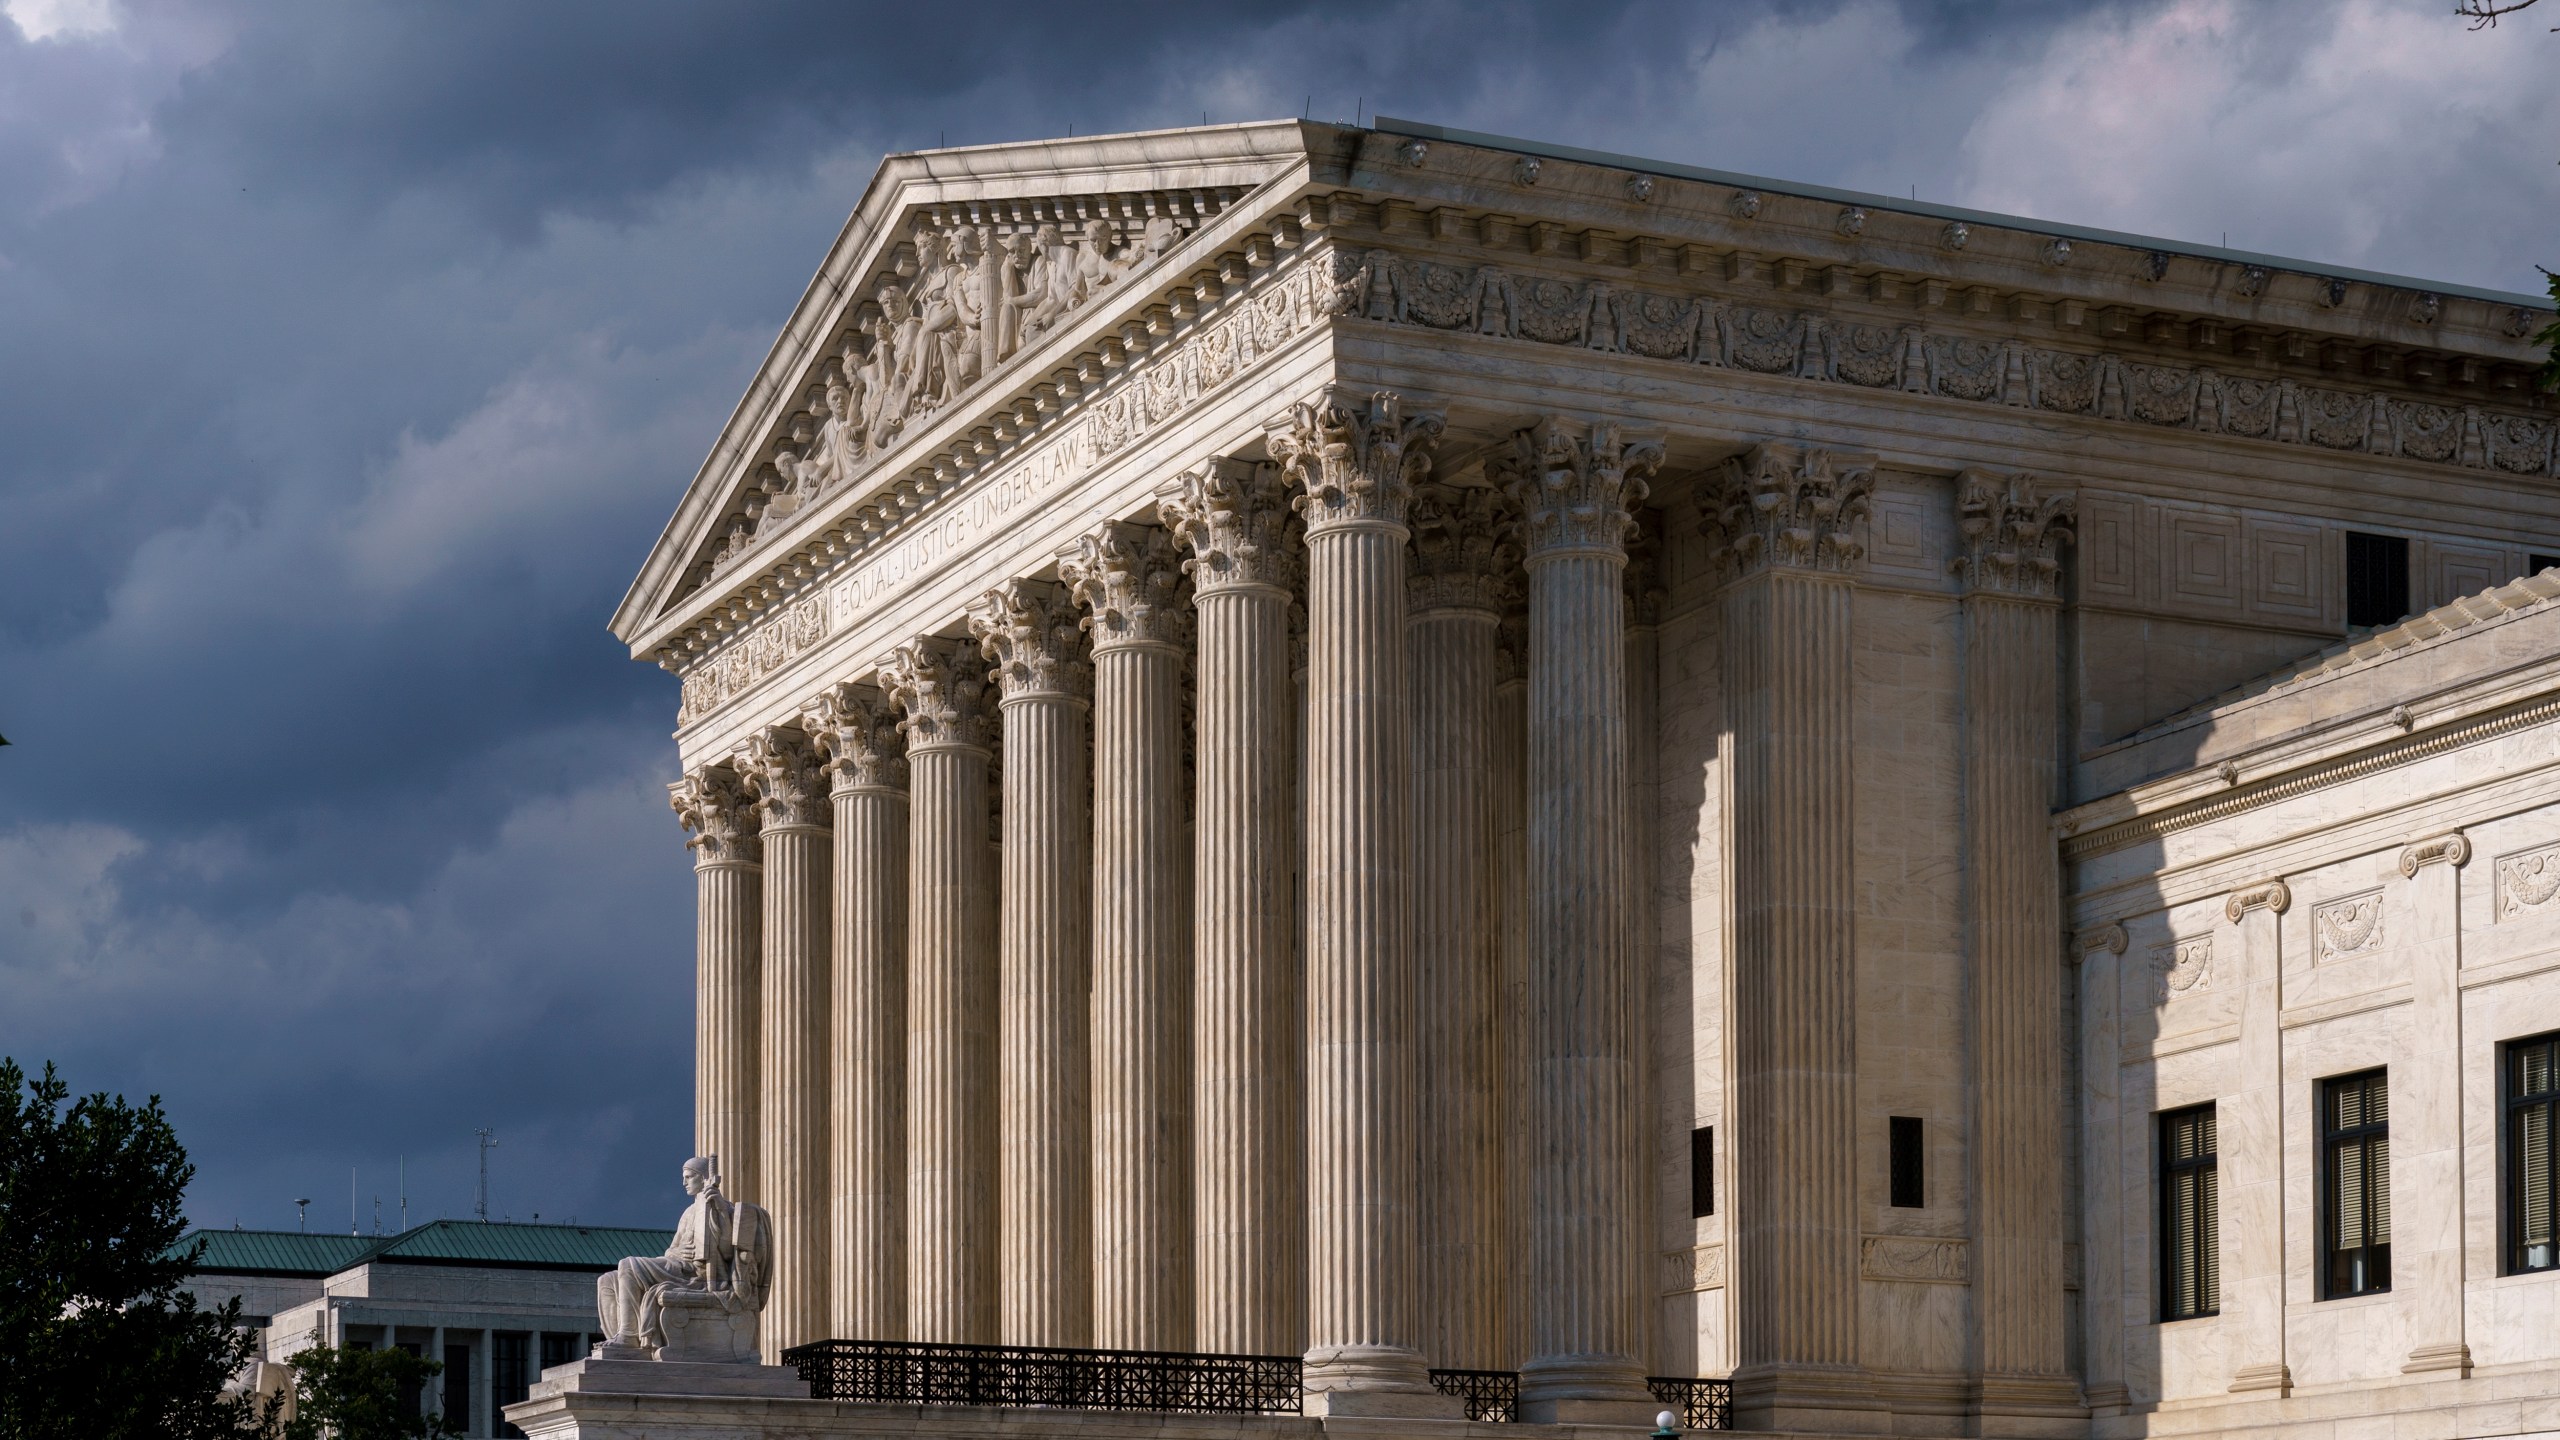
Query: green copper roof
[{"x": 438, "y": 1242}]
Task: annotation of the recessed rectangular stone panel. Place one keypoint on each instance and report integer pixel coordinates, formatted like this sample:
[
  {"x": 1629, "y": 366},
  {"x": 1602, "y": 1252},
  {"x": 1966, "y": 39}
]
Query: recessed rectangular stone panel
[
  {"x": 2288, "y": 574},
  {"x": 2109, "y": 550},
  {"x": 2454, "y": 569},
  {"x": 2200, "y": 558}
]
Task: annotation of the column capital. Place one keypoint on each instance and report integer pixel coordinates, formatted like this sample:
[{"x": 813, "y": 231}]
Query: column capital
[
  {"x": 1464, "y": 547},
  {"x": 939, "y": 684},
  {"x": 1028, "y": 627},
  {"x": 717, "y": 809},
  {"x": 2273, "y": 896},
  {"x": 2450, "y": 848},
  {"x": 1354, "y": 464},
  {"x": 1234, "y": 518},
  {"x": 2010, "y": 534},
  {"x": 1784, "y": 507},
  {"x": 783, "y": 771},
  {"x": 1577, "y": 486},
  {"x": 1129, "y": 577},
  {"x": 856, "y": 729}
]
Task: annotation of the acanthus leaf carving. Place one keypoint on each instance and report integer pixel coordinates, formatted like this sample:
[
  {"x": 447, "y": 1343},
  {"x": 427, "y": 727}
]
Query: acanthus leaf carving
[
  {"x": 942, "y": 688},
  {"x": 1128, "y": 577},
  {"x": 1234, "y": 518},
  {"x": 1778, "y": 506},
  {"x": 1462, "y": 549},
  {"x": 1030, "y": 629},
  {"x": 1351, "y": 463},
  {"x": 2011, "y": 533},
  {"x": 1577, "y": 487},
  {"x": 782, "y": 770},
  {"x": 856, "y": 728},
  {"x": 720, "y": 813}
]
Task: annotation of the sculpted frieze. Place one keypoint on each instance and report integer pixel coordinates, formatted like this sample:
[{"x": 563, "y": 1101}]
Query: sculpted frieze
[{"x": 1499, "y": 301}]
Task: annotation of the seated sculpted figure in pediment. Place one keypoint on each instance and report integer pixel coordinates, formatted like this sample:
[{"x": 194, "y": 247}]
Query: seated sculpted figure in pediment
[{"x": 700, "y": 1300}]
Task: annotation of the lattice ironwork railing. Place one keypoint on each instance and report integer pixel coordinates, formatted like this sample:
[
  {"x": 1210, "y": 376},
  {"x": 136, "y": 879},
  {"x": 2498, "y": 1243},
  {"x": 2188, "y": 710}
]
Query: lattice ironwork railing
[
  {"x": 891, "y": 1372},
  {"x": 1702, "y": 1404},
  {"x": 1489, "y": 1394}
]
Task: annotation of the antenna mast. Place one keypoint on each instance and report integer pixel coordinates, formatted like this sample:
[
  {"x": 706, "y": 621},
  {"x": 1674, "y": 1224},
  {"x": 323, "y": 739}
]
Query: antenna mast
[
  {"x": 300, "y": 1208},
  {"x": 481, "y": 1205}
]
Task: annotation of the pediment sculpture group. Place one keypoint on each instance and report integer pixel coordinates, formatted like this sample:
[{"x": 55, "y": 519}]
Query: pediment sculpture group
[
  {"x": 699, "y": 1301},
  {"x": 975, "y": 298}
]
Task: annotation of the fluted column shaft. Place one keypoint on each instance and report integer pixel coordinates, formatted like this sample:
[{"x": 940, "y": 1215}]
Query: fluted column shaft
[
  {"x": 1128, "y": 577},
  {"x": 1454, "y": 601},
  {"x": 1354, "y": 467},
  {"x": 951, "y": 999},
  {"x": 1575, "y": 492},
  {"x": 1046, "y": 1278},
  {"x": 1785, "y": 520},
  {"x": 867, "y": 1039},
  {"x": 1511, "y": 947},
  {"x": 783, "y": 769},
  {"x": 728, "y": 964},
  {"x": 1248, "y": 1161}
]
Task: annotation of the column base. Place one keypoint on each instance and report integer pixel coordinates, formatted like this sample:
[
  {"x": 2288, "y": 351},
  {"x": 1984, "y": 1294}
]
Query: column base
[
  {"x": 1585, "y": 1390},
  {"x": 2451, "y": 1356},
  {"x": 2109, "y": 1396},
  {"x": 1837, "y": 1398},
  {"x": 2276, "y": 1376},
  {"x": 1388, "y": 1381},
  {"x": 2026, "y": 1406}
]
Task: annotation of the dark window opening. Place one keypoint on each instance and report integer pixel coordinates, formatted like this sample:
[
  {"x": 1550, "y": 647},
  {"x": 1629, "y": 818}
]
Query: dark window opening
[
  {"x": 2377, "y": 579},
  {"x": 1702, "y": 1172},
  {"x": 2355, "y": 1181},
  {"x": 2531, "y": 1156},
  {"x": 2190, "y": 1216},
  {"x": 508, "y": 1384},
  {"x": 1908, "y": 1169},
  {"x": 457, "y": 1388},
  {"x": 2536, "y": 564}
]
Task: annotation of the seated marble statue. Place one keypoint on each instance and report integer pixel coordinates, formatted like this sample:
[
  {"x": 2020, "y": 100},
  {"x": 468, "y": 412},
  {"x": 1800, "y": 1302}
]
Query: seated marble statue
[{"x": 699, "y": 1301}]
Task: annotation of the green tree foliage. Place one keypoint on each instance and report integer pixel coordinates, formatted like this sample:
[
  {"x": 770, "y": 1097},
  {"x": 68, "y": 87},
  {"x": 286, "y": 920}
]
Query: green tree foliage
[
  {"x": 97, "y": 1338},
  {"x": 361, "y": 1395}
]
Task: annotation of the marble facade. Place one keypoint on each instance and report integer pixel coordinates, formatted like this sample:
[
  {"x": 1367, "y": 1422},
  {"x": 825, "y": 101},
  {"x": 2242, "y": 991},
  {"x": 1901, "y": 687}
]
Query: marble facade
[{"x": 1276, "y": 717}]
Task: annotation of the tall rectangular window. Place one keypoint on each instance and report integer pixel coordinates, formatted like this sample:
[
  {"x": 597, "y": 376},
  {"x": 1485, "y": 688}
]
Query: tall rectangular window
[
  {"x": 1908, "y": 1171},
  {"x": 2532, "y": 1159},
  {"x": 1702, "y": 1172},
  {"x": 2190, "y": 1216},
  {"x": 2355, "y": 1183},
  {"x": 508, "y": 1382},
  {"x": 456, "y": 1404},
  {"x": 2377, "y": 579}
]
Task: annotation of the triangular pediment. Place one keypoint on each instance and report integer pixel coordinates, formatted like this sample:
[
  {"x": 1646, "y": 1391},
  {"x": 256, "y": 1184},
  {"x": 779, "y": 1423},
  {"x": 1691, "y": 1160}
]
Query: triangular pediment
[{"x": 956, "y": 267}]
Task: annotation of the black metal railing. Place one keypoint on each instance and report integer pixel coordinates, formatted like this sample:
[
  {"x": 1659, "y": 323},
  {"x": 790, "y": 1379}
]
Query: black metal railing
[
  {"x": 1702, "y": 1404},
  {"x": 891, "y": 1372},
  {"x": 1489, "y": 1394}
]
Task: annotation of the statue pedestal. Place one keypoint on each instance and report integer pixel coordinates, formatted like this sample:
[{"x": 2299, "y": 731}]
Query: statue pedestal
[
  {"x": 594, "y": 1399},
  {"x": 701, "y": 1332}
]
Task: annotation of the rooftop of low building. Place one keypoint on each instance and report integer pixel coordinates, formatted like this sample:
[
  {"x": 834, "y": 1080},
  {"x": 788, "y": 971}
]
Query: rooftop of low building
[{"x": 499, "y": 1243}]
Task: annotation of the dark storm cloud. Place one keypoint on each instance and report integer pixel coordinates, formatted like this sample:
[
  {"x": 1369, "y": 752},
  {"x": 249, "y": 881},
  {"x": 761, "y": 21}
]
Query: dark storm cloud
[{"x": 351, "y": 357}]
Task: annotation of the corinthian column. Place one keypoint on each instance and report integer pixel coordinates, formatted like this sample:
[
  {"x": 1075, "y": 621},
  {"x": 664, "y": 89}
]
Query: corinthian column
[
  {"x": 2013, "y": 899},
  {"x": 1785, "y": 522},
  {"x": 1129, "y": 579},
  {"x": 854, "y": 726},
  {"x": 1453, "y": 598},
  {"x": 782, "y": 770},
  {"x": 1354, "y": 467},
  {"x": 728, "y": 947},
  {"x": 951, "y": 994},
  {"x": 1577, "y": 493},
  {"x": 1248, "y": 1163},
  {"x": 1046, "y": 1277}
]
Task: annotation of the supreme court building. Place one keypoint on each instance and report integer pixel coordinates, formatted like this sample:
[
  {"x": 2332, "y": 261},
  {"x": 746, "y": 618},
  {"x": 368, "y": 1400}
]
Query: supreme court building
[{"x": 1441, "y": 754}]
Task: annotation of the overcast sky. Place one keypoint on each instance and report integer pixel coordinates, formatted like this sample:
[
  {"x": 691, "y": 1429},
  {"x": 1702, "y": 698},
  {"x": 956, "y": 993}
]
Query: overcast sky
[{"x": 351, "y": 357}]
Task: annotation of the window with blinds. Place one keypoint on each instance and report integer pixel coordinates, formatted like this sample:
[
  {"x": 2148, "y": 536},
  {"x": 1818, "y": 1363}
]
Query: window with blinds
[
  {"x": 2355, "y": 1184},
  {"x": 2532, "y": 1083},
  {"x": 2190, "y": 1216}
]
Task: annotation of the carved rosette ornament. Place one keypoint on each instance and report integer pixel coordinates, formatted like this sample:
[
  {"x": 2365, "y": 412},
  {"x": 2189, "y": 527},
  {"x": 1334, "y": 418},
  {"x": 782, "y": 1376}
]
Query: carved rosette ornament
[
  {"x": 1464, "y": 545},
  {"x": 1776, "y": 505},
  {"x": 2010, "y": 534},
  {"x": 721, "y": 814},
  {"x": 856, "y": 729},
  {"x": 1234, "y": 519},
  {"x": 1355, "y": 465},
  {"x": 1578, "y": 491},
  {"x": 942, "y": 687},
  {"x": 1129, "y": 577},
  {"x": 787, "y": 777},
  {"x": 1029, "y": 628}
]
